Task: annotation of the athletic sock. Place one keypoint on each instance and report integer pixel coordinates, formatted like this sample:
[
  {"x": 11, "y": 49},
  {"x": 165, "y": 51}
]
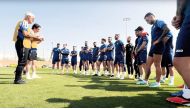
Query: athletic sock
[
  {"x": 141, "y": 77},
  {"x": 162, "y": 77},
  {"x": 123, "y": 73},
  {"x": 172, "y": 78}
]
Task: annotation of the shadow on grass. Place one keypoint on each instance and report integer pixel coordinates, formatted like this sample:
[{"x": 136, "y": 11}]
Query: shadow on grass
[
  {"x": 7, "y": 74},
  {"x": 140, "y": 101},
  {"x": 6, "y": 78},
  {"x": 6, "y": 82},
  {"x": 116, "y": 87},
  {"x": 108, "y": 84}
]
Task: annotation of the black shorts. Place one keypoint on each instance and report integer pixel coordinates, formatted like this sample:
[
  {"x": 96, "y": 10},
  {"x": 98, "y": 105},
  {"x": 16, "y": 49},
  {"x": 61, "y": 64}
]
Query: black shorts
[
  {"x": 156, "y": 49},
  {"x": 32, "y": 54},
  {"x": 183, "y": 39},
  {"x": 167, "y": 60},
  {"x": 142, "y": 58}
]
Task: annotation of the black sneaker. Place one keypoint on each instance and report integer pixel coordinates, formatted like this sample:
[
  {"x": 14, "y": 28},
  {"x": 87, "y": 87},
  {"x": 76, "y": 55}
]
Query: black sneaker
[
  {"x": 112, "y": 76},
  {"x": 109, "y": 75},
  {"x": 19, "y": 82},
  {"x": 95, "y": 75},
  {"x": 24, "y": 72}
]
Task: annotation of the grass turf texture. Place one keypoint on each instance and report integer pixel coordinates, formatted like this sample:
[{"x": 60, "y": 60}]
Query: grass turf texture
[{"x": 71, "y": 90}]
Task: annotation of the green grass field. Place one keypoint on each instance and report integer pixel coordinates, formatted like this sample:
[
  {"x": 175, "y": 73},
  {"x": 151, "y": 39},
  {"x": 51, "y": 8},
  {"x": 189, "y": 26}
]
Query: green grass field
[{"x": 80, "y": 91}]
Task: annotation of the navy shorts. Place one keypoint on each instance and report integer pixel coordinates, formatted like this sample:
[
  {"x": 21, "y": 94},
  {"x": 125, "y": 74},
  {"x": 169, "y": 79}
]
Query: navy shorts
[
  {"x": 110, "y": 58},
  {"x": 183, "y": 39},
  {"x": 141, "y": 58},
  {"x": 85, "y": 58},
  {"x": 94, "y": 59},
  {"x": 119, "y": 60},
  {"x": 102, "y": 58},
  {"x": 90, "y": 61},
  {"x": 55, "y": 60},
  {"x": 156, "y": 49},
  {"x": 167, "y": 60},
  {"x": 73, "y": 62},
  {"x": 65, "y": 61}
]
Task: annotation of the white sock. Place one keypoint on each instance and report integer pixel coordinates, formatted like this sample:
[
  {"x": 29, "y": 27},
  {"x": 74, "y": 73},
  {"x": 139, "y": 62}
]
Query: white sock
[
  {"x": 172, "y": 78},
  {"x": 33, "y": 73},
  {"x": 162, "y": 77},
  {"x": 158, "y": 83},
  {"x": 123, "y": 73}
]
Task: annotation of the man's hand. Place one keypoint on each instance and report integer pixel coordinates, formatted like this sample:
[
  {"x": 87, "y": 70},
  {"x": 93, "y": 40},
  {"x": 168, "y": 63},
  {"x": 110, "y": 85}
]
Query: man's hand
[
  {"x": 41, "y": 39},
  {"x": 155, "y": 42},
  {"x": 177, "y": 21},
  {"x": 165, "y": 39},
  {"x": 136, "y": 51}
]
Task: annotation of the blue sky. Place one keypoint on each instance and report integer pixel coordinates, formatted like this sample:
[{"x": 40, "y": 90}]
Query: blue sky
[{"x": 74, "y": 21}]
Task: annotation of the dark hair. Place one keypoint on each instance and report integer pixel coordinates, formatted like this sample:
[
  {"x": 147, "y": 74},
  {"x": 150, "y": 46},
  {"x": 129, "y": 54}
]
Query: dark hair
[
  {"x": 117, "y": 34},
  {"x": 58, "y": 43},
  {"x": 148, "y": 14},
  {"x": 36, "y": 26},
  {"x": 104, "y": 39},
  {"x": 140, "y": 28}
]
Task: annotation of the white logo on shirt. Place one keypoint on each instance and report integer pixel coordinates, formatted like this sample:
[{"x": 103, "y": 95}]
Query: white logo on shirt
[{"x": 179, "y": 51}]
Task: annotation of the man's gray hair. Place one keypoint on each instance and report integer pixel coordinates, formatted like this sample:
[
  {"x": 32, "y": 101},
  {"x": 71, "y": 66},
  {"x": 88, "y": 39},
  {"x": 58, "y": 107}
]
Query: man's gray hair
[{"x": 29, "y": 14}]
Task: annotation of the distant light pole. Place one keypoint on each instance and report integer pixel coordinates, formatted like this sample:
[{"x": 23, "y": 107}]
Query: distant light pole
[
  {"x": 52, "y": 45},
  {"x": 126, "y": 20}
]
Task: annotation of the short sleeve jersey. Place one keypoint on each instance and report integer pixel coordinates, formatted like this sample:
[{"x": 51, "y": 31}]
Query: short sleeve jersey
[
  {"x": 110, "y": 52},
  {"x": 65, "y": 52},
  {"x": 103, "y": 46},
  {"x": 119, "y": 51},
  {"x": 56, "y": 52}
]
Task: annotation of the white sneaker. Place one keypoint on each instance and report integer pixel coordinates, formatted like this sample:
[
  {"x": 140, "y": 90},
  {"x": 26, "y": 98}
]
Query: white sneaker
[
  {"x": 118, "y": 76},
  {"x": 132, "y": 76},
  {"x": 171, "y": 83},
  {"x": 129, "y": 76},
  {"x": 186, "y": 93},
  {"x": 154, "y": 85},
  {"x": 106, "y": 73},
  {"x": 99, "y": 74},
  {"x": 28, "y": 76},
  {"x": 162, "y": 81},
  {"x": 93, "y": 73},
  {"x": 140, "y": 79},
  {"x": 142, "y": 82},
  {"x": 35, "y": 76},
  {"x": 86, "y": 73},
  {"x": 122, "y": 77}
]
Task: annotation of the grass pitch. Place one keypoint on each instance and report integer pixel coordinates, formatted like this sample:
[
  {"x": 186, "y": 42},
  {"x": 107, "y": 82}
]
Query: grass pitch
[{"x": 81, "y": 91}]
